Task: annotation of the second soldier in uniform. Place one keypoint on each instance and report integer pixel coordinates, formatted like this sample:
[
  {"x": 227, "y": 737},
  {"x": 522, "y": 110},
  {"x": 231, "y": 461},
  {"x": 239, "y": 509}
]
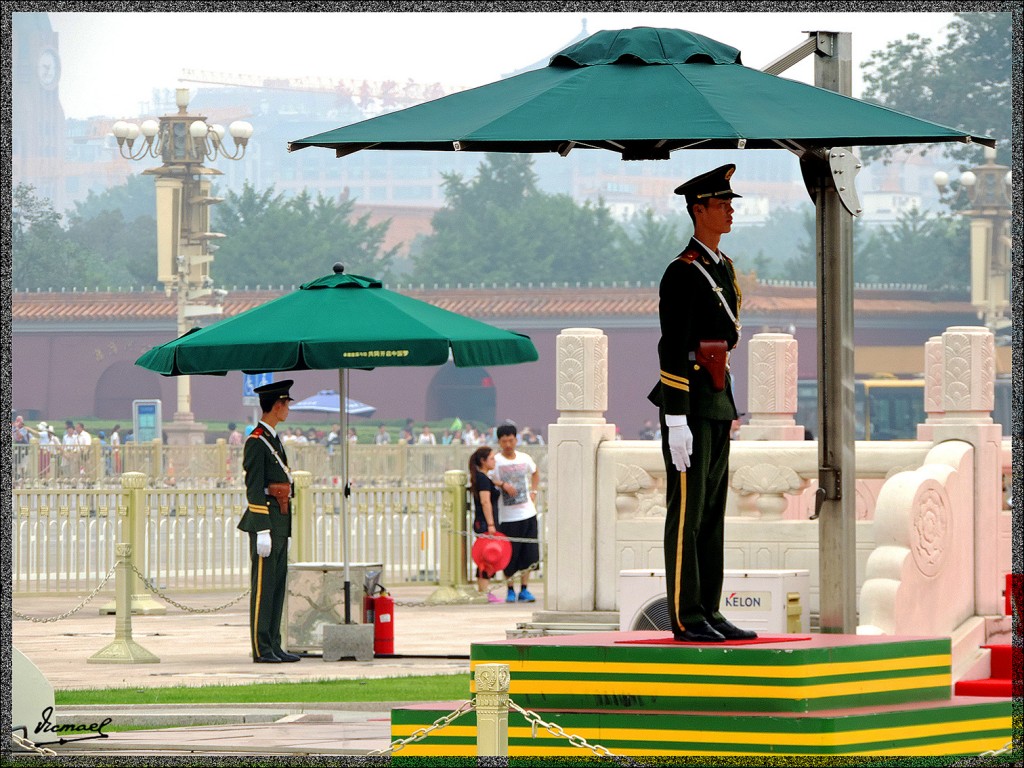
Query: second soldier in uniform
[
  {"x": 699, "y": 309},
  {"x": 268, "y": 521}
]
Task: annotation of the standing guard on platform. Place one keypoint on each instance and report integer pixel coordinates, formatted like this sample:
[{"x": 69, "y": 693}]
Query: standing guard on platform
[
  {"x": 267, "y": 520},
  {"x": 699, "y": 308}
]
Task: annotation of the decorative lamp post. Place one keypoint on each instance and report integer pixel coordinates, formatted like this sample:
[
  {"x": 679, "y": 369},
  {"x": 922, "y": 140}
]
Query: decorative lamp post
[
  {"x": 184, "y": 240},
  {"x": 988, "y": 191}
]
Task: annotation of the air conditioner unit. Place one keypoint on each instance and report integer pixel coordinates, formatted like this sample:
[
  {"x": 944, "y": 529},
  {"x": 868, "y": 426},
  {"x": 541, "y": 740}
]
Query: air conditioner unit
[
  {"x": 762, "y": 600},
  {"x": 642, "y": 601}
]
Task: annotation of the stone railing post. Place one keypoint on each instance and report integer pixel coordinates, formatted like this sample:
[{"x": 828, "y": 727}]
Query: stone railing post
[
  {"x": 302, "y": 517},
  {"x": 968, "y": 396},
  {"x": 582, "y": 399},
  {"x": 453, "y": 541},
  {"x": 492, "y": 684},
  {"x": 771, "y": 388}
]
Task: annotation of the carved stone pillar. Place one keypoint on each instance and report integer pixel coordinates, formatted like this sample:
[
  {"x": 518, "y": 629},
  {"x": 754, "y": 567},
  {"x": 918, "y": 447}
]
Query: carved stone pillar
[
  {"x": 582, "y": 366},
  {"x": 968, "y": 396},
  {"x": 968, "y": 375},
  {"x": 571, "y": 514},
  {"x": 933, "y": 373},
  {"x": 771, "y": 388}
]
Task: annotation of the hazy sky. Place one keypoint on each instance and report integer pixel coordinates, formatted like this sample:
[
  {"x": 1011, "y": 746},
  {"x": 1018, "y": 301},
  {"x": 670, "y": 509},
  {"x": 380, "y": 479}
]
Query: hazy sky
[{"x": 111, "y": 62}]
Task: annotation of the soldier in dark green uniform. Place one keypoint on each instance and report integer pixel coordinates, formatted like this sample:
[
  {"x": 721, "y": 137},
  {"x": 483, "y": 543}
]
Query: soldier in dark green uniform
[
  {"x": 699, "y": 310},
  {"x": 268, "y": 521}
]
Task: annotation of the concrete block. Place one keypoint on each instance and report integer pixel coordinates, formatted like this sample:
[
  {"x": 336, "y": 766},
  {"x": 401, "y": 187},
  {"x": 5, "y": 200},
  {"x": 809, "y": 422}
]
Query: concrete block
[{"x": 348, "y": 641}]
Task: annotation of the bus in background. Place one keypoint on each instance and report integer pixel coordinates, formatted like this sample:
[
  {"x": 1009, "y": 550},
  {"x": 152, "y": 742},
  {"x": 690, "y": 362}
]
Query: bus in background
[{"x": 890, "y": 408}]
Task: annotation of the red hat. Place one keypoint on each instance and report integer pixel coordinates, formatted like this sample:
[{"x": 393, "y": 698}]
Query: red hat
[{"x": 492, "y": 552}]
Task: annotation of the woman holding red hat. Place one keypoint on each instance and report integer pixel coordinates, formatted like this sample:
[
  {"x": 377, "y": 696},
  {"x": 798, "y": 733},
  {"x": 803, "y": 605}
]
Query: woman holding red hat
[{"x": 485, "y": 502}]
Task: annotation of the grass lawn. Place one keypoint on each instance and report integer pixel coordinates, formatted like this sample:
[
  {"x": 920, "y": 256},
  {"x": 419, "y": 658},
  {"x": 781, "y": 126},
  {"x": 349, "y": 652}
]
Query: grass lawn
[{"x": 422, "y": 688}]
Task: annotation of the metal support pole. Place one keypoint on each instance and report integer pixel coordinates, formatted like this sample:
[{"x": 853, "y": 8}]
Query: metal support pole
[
  {"x": 837, "y": 472},
  {"x": 124, "y": 650},
  {"x": 452, "y": 541},
  {"x": 492, "y": 684}
]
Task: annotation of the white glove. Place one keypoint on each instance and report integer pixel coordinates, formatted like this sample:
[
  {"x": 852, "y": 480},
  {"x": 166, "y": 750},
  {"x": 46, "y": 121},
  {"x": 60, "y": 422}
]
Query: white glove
[
  {"x": 680, "y": 445},
  {"x": 263, "y": 543}
]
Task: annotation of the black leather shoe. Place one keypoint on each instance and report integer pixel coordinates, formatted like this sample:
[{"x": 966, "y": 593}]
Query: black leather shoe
[
  {"x": 267, "y": 658},
  {"x": 730, "y": 631},
  {"x": 285, "y": 656},
  {"x": 698, "y": 632}
]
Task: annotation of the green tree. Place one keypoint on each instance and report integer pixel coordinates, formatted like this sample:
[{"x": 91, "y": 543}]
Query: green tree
[
  {"x": 274, "y": 240},
  {"x": 135, "y": 199},
  {"x": 654, "y": 241},
  {"x": 917, "y": 249},
  {"x": 42, "y": 254},
  {"x": 118, "y": 227},
  {"x": 498, "y": 227},
  {"x": 966, "y": 82}
]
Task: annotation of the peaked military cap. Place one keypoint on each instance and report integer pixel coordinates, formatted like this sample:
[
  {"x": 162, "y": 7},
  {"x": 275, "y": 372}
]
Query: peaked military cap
[
  {"x": 711, "y": 184},
  {"x": 278, "y": 388}
]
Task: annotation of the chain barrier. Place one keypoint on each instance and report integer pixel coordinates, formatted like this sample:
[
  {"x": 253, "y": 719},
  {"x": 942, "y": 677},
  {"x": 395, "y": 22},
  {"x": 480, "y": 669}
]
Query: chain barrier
[
  {"x": 149, "y": 585},
  {"x": 422, "y": 733},
  {"x": 1005, "y": 749},
  {"x": 462, "y": 600},
  {"x": 467, "y": 534},
  {"x": 74, "y": 610},
  {"x": 556, "y": 730},
  {"x": 30, "y": 746}
]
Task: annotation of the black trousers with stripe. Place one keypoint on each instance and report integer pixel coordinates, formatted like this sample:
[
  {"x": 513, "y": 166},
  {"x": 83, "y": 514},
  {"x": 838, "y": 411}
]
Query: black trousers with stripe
[
  {"x": 266, "y": 600},
  {"x": 695, "y": 523}
]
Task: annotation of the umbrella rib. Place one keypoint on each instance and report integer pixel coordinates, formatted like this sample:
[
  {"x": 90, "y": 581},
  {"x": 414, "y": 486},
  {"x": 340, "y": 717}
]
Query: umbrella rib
[{"x": 691, "y": 144}]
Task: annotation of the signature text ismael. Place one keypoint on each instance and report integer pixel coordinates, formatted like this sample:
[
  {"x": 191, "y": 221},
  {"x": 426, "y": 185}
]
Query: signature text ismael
[{"x": 45, "y": 726}]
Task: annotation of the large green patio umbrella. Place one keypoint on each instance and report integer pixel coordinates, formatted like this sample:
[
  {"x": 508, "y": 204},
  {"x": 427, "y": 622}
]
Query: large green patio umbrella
[
  {"x": 644, "y": 93},
  {"x": 339, "y": 321}
]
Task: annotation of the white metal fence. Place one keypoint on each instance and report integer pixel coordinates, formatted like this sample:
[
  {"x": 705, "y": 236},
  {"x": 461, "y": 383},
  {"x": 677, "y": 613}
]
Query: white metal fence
[{"x": 63, "y": 539}]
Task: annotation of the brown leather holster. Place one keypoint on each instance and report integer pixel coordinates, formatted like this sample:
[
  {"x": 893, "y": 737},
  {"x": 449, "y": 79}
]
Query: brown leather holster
[
  {"x": 282, "y": 492},
  {"x": 713, "y": 354}
]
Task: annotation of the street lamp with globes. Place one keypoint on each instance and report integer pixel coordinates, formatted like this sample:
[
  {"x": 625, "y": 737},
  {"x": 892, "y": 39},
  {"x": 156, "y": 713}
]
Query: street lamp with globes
[
  {"x": 987, "y": 189},
  {"x": 183, "y": 199}
]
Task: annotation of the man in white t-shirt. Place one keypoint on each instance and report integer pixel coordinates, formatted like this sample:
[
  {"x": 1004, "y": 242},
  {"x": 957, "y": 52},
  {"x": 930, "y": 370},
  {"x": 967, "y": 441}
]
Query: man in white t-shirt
[{"x": 515, "y": 475}]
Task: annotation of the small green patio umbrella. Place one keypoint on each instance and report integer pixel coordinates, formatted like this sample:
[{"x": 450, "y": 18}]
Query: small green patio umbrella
[{"x": 339, "y": 321}]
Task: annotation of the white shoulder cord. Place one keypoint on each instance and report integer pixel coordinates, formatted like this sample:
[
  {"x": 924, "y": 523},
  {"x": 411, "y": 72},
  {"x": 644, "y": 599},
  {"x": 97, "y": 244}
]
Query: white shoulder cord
[
  {"x": 276, "y": 456},
  {"x": 718, "y": 290}
]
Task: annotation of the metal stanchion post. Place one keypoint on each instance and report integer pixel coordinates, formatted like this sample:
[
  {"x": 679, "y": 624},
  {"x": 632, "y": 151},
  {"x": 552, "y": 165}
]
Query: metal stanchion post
[
  {"x": 133, "y": 532},
  {"x": 452, "y": 528},
  {"x": 302, "y": 516},
  {"x": 124, "y": 650},
  {"x": 492, "y": 684}
]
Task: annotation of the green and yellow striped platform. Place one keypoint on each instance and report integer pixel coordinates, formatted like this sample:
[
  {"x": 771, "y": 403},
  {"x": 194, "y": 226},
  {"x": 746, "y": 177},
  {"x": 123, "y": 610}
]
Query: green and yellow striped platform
[
  {"x": 825, "y": 695},
  {"x": 959, "y": 726},
  {"x": 598, "y": 671}
]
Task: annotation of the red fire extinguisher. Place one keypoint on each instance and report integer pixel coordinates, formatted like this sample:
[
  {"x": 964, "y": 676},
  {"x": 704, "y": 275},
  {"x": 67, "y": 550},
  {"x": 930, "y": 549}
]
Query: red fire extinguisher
[
  {"x": 379, "y": 610},
  {"x": 383, "y": 624}
]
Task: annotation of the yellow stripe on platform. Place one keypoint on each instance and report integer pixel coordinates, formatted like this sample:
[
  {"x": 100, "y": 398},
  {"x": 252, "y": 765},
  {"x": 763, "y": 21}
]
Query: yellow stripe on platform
[
  {"x": 725, "y": 669},
  {"x": 728, "y": 690},
  {"x": 831, "y": 743},
  {"x": 833, "y": 738}
]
